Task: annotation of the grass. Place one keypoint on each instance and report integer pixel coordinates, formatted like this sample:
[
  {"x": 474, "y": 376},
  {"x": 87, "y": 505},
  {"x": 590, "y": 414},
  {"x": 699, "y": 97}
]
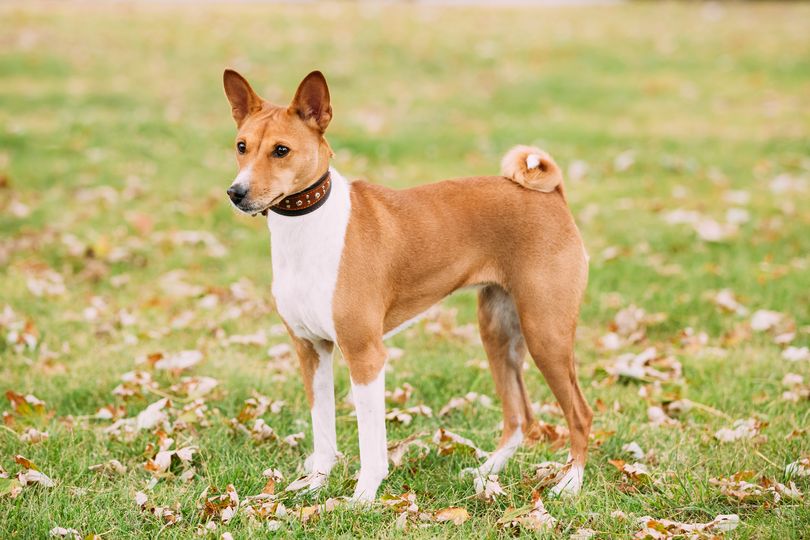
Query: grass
[{"x": 114, "y": 132}]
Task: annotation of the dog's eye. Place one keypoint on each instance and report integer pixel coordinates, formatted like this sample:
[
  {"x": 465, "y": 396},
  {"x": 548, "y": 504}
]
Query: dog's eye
[
  {"x": 241, "y": 147},
  {"x": 280, "y": 150}
]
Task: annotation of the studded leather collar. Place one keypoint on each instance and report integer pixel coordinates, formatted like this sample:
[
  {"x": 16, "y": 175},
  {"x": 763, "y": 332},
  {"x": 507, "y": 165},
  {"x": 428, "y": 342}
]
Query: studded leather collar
[{"x": 305, "y": 201}]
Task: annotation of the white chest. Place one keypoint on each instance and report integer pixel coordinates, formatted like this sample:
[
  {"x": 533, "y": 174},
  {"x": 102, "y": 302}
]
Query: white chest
[{"x": 306, "y": 254}]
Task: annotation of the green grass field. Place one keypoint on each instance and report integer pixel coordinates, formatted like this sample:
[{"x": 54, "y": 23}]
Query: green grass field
[{"x": 685, "y": 131}]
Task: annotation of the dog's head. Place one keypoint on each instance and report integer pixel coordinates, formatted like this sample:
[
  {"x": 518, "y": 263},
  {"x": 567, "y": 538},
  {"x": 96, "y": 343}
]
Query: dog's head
[{"x": 280, "y": 150}]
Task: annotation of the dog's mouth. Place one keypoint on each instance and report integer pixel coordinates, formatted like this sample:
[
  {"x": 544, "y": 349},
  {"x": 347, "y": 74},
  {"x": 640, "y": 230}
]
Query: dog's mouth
[{"x": 263, "y": 211}]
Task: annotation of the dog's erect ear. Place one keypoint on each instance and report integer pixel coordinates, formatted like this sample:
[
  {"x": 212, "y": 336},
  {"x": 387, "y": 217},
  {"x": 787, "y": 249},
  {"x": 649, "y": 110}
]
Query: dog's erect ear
[
  {"x": 311, "y": 101},
  {"x": 244, "y": 100}
]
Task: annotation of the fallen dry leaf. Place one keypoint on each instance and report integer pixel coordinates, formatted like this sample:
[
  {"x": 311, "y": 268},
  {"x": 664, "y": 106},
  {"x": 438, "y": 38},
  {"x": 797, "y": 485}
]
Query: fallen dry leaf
[
  {"x": 62, "y": 532},
  {"x": 532, "y": 517},
  {"x": 111, "y": 468},
  {"x": 796, "y": 354},
  {"x": 167, "y": 515},
  {"x": 405, "y": 416},
  {"x": 397, "y": 450},
  {"x": 453, "y": 514},
  {"x": 489, "y": 488},
  {"x": 655, "y": 529},
  {"x": 741, "y": 429},
  {"x": 404, "y": 502},
  {"x": 799, "y": 468},
  {"x": 448, "y": 443},
  {"x": 468, "y": 399},
  {"x": 765, "y": 490}
]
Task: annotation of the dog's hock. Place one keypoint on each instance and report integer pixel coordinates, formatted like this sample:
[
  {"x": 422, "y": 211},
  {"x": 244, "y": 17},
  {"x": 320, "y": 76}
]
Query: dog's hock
[{"x": 532, "y": 168}]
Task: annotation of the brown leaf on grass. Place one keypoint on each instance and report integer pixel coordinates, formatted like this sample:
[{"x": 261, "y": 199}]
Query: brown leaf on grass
[
  {"x": 20, "y": 334},
  {"x": 489, "y": 488},
  {"x": 259, "y": 338},
  {"x": 62, "y": 532},
  {"x": 31, "y": 473},
  {"x": 799, "y": 468},
  {"x": 397, "y": 450},
  {"x": 663, "y": 529},
  {"x": 764, "y": 319},
  {"x": 161, "y": 462},
  {"x": 453, "y": 514},
  {"x": 46, "y": 283},
  {"x": 582, "y": 533},
  {"x": 167, "y": 515},
  {"x": 658, "y": 417},
  {"x": 637, "y": 473},
  {"x": 741, "y": 429},
  {"x": 533, "y": 517},
  {"x": 727, "y": 301},
  {"x": 27, "y": 410},
  {"x": 33, "y": 436},
  {"x": 110, "y": 468},
  {"x": 796, "y": 389},
  {"x": 402, "y": 503},
  {"x": 399, "y": 395},
  {"x": 10, "y": 486},
  {"x": 464, "y": 401},
  {"x": 273, "y": 477},
  {"x": 448, "y": 443},
  {"x": 796, "y": 354},
  {"x": 258, "y": 405},
  {"x": 178, "y": 362},
  {"x": 648, "y": 365},
  {"x": 405, "y": 416},
  {"x": 221, "y": 505},
  {"x": 153, "y": 414},
  {"x": 310, "y": 513},
  {"x": 764, "y": 490},
  {"x": 194, "y": 387}
]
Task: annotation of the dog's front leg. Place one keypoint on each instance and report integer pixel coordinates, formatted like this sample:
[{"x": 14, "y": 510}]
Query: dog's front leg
[
  {"x": 316, "y": 368},
  {"x": 366, "y": 367}
]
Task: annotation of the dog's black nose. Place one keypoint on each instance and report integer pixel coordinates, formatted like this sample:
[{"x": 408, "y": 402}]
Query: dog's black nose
[{"x": 237, "y": 193}]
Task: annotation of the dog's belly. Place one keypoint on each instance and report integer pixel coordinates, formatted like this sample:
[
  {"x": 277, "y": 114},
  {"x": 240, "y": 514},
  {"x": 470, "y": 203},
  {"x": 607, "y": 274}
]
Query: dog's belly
[{"x": 306, "y": 258}]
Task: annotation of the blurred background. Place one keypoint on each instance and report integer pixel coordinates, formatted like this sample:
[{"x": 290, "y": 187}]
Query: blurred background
[{"x": 683, "y": 130}]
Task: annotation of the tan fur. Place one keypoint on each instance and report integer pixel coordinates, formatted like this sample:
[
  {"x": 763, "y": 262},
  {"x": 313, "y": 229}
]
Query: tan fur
[
  {"x": 406, "y": 250},
  {"x": 543, "y": 175}
]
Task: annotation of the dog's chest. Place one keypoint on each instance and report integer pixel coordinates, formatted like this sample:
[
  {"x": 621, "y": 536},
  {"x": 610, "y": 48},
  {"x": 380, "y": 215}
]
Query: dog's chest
[{"x": 306, "y": 253}]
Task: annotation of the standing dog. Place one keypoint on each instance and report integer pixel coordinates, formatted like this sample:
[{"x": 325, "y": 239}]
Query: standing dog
[{"x": 355, "y": 262}]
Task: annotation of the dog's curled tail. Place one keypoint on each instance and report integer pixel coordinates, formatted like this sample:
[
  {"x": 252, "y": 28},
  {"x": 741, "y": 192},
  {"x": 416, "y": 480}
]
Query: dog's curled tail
[{"x": 532, "y": 168}]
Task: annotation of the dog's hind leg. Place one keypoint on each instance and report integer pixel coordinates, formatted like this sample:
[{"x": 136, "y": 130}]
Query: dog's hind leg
[
  {"x": 505, "y": 347},
  {"x": 548, "y": 317}
]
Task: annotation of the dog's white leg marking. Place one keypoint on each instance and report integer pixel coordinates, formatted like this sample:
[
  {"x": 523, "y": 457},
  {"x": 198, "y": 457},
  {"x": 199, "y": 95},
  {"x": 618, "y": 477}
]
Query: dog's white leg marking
[
  {"x": 325, "y": 450},
  {"x": 369, "y": 402},
  {"x": 497, "y": 460},
  {"x": 319, "y": 464}
]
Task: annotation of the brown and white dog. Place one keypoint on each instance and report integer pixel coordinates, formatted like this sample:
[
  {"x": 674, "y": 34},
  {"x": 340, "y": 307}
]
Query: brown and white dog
[{"x": 353, "y": 263}]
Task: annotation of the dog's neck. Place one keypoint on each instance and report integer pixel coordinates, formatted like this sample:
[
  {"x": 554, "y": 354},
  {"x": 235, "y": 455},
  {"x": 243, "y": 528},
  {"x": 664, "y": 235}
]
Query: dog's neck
[{"x": 307, "y": 200}]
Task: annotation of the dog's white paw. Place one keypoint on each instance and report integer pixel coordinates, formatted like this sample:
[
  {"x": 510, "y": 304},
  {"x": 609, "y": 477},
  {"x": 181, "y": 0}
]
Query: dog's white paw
[
  {"x": 309, "y": 483},
  {"x": 367, "y": 485},
  {"x": 570, "y": 484}
]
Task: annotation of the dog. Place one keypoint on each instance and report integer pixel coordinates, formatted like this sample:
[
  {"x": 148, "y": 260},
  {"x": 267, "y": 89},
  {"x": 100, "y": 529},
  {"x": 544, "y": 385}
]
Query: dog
[{"x": 354, "y": 263}]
